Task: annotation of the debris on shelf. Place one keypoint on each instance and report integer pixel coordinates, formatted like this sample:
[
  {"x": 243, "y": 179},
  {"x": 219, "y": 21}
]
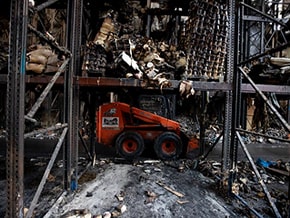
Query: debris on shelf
[
  {"x": 189, "y": 126},
  {"x": 4, "y": 48},
  {"x": 274, "y": 70},
  {"x": 42, "y": 59},
  {"x": 119, "y": 41},
  {"x": 214, "y": 131}
]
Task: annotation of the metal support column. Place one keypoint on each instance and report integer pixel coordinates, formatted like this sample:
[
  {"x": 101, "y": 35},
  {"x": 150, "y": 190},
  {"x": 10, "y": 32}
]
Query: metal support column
[
  {"x": 229, "y": 79},
  {"x": 148, "y": 25},
  {"x": 236, "y": 103},
  {"x": 74, "y": 27},
  {"x": 15, "y": 108},
  {"x": 288, "y": 111}
]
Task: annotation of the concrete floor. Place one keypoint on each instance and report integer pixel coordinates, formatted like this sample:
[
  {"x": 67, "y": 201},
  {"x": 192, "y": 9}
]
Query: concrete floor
[{"x": 266, "y": 151}]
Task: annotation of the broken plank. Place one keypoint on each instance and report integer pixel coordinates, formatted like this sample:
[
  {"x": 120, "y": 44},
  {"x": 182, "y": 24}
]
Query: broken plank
[
  {"x": 182, "y": 202},
  {"x": 281, "y": 172},
  {"x": 170, "y": 189}
]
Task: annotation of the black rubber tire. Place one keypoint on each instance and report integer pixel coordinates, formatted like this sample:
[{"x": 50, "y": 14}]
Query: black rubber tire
[
  {"x": 129, "y": 145},
  {"x": 168, "y": 146}
]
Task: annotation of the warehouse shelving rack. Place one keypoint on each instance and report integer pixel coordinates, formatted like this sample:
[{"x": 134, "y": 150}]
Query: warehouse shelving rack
[{"x": 72, "y": 82}]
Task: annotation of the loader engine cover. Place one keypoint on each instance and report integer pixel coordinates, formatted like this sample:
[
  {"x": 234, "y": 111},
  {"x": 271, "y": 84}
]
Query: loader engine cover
[{"x": 108, "y": 123}]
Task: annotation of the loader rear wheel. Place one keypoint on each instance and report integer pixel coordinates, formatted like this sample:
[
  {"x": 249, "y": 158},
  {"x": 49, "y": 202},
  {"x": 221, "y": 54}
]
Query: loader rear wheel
[
  {"x": 129, "y": 145},
  {"x": 168, "y": 146}
]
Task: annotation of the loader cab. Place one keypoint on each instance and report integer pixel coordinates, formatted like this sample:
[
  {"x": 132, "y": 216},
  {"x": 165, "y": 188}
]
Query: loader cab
[{"x": 162, "y": 105}]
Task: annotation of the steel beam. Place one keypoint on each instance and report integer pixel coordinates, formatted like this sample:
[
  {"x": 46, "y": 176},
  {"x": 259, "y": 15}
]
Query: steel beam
[
  {"x": 15, "y": 108},
  {"x": 47, "y": 89},
  {"x": 248, "y": 206},
  {"x": 235, "y": 136},
  {"x": 288, "y": 112},
  {"x": 260, "y": 180},
  {"x": 85, "y": 146},
  {"x": 51, "y": 41},
  {"x": 106, "y": 81},
  {"x": 263, "y": 135},
  {"x": 267, "y": 16},
  {"x": 255, "y": 18},
  {"x": 74, "y": 33},
  {"x": 45, "y": 5},
  {"x": 266, "y": 100},
  {"x": 33, "y": 204},
  {"x": 277, "y": 89},
  {"x": 43, "y": 79},
  {"x": 39, "y": 131},
  {"x": 204, "y": 156},
  {"x": 124, "y": 82},
  {"x": 267, "y": 52},
  {"x": 229, "y": 78},
  {"x": 257, "y": 25},
  {"x": 148, "y": 25},
  {"x": 236, "y": 99}
]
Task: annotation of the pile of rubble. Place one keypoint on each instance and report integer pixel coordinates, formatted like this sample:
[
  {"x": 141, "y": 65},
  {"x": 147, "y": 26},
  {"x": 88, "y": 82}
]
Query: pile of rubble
[
  {"x": 146, "y": 188},
  {"x": 273, "y": 70},
  {"x": 275, "y": 174},
  {"x": 120, "y": 49},
  {"x": 270, "y": 135},
  {"x": 135, "y": 57}
]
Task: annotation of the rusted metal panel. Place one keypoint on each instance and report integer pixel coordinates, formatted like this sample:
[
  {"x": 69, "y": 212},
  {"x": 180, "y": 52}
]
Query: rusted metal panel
[
  {"x": 43, "y": 79},
  {"x": 105, "y": 81}
]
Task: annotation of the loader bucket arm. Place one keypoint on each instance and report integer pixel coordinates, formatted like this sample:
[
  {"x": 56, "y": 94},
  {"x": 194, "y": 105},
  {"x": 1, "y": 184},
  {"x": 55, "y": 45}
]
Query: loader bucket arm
[{"x": 149, "y": 117}]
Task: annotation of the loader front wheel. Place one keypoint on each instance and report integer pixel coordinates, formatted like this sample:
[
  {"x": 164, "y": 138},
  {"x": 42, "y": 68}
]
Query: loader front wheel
[
  {"x": 168, "y": 146},
  {"x": 129, "y": 145}
]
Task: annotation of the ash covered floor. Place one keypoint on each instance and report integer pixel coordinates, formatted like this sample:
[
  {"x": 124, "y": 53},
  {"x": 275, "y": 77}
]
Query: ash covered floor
[
  {"x": 153, "y": 188},
  {"x": 145, "y": 189}
]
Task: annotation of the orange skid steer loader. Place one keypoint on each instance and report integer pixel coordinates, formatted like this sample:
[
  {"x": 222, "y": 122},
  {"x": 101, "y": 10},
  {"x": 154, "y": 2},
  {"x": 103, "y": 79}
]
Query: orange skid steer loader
[{"x": 129, "y": 129}]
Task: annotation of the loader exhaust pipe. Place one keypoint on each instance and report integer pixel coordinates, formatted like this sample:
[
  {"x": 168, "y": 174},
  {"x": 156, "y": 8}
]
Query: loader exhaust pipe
[{"x": 113, "y": 97}]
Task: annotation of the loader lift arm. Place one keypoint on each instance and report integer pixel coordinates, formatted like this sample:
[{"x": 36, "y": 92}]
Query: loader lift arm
[{"x": 149, "y": 117}]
